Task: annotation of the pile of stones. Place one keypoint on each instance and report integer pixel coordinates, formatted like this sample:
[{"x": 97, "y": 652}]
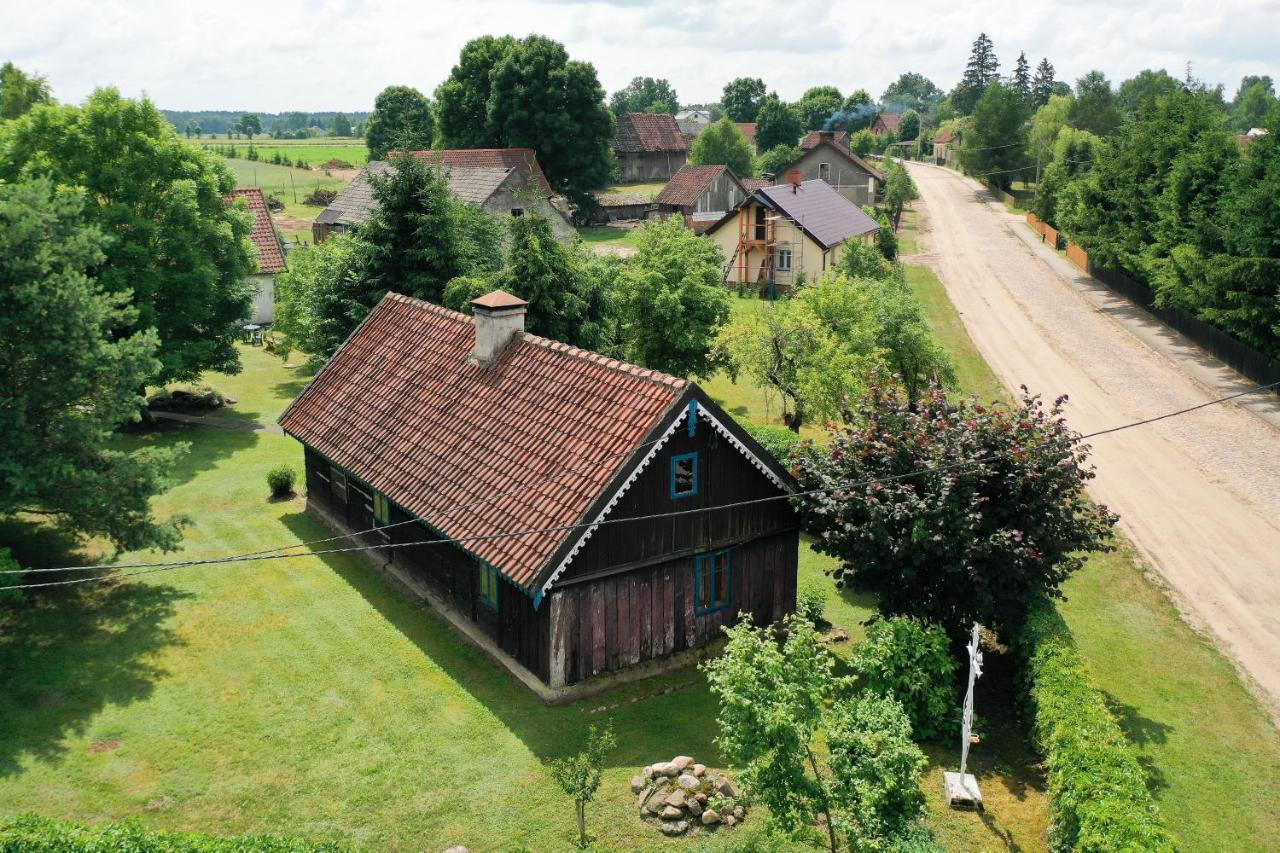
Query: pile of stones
[{"x": 680, "y": 795}]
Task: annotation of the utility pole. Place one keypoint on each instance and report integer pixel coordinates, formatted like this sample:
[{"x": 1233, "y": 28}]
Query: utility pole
[{"x": 962, "y": 788}]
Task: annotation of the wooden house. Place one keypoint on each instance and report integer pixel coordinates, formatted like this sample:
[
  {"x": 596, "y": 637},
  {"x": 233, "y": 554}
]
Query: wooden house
[
  {"x": 701, "y": 194},
  {"x": 782, "y": 232},
  {"x": 502, "y": 181},
  {"x": 269, "y": 250},
  {"x": 944, "y": 145},
  {"x": 579, "y": 495},
  {"x": 847, "y": 173},
  {"x": 649, "y": 147}
]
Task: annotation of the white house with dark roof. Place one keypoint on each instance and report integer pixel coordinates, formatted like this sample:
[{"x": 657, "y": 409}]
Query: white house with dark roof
[{"x": 782, "y": 232}]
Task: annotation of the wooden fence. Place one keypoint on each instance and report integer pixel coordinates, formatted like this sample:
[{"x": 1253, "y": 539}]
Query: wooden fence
[{"x": 1236, "y": 354}]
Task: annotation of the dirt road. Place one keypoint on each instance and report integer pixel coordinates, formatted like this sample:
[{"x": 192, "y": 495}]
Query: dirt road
[{"x": 1199, "y": 495}]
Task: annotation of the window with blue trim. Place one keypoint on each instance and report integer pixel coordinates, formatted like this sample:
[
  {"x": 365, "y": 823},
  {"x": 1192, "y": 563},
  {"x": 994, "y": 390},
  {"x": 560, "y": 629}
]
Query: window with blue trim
[
  {"x": 489, "y": 585},
  {"x": 712, "y": 582},
  {"x": 684, "y": 475}
]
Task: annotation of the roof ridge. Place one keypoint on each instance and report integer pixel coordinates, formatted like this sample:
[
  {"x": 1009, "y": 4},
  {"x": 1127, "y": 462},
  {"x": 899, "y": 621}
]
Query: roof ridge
[
  {"x": 657, "y": 377},
  {"x": 430, "y": 306}
]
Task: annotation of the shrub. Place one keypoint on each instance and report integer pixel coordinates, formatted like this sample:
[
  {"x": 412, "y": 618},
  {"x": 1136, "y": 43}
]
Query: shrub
[
  {"x": 281, "y": 479},
  {"x": 811, "y": 600},
  {"x": 320, "y": 197},
  {"x": 9, "y": 564},
  {"x": 1097, "y": 786},
  {"x": 779, "y": 441},
  {"x": 910, "y": 660},
  {"x": 33, "y": 834}
]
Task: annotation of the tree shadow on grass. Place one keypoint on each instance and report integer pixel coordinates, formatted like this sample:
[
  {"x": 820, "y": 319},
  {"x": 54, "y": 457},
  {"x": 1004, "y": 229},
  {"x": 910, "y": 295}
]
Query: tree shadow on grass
[
  {"x": 1141, "y": 731},
  {"x": 68, "y": 653},
  {"x": 656, "y": 726},
  {"x": 209, "y": 445}
]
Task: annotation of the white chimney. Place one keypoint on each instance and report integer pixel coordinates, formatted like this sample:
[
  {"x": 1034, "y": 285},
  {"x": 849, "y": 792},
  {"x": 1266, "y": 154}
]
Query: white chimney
[{"x": 499, "y": 316}]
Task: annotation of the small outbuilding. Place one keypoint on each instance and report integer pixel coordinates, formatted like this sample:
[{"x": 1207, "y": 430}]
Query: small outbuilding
[
  {"x": 269, "y": 250},
  {"x": 649, "y": 147},
  {"x": 701, "y": 194},
  {"x": 885, "y": 123},
  {"x": 574, "y": 515}
]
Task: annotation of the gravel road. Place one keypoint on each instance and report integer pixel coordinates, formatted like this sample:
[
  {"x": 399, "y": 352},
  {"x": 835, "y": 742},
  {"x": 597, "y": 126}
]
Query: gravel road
[{"x": 1199, "y": 495}]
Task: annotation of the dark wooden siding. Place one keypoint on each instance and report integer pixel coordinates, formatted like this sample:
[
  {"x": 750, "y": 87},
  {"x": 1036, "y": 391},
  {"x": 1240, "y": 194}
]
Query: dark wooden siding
[
  {"x": 724, "y": 476},
  {"x": 612, "y": 622},
  {"x": 449, "y": 572}
]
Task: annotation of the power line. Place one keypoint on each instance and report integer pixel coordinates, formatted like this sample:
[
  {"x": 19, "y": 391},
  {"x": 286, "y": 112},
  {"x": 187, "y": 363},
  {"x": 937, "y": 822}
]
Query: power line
[{"x": 152, "y": 568}]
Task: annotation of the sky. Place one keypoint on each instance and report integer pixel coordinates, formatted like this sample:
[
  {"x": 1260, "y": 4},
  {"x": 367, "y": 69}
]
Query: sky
[{"x": 277, "y": 55}]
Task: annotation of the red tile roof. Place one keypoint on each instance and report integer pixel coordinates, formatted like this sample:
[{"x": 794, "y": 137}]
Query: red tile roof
[
  {"x": 264, "y": 236},
  {"x": 944, "y": 137},
  {"x": 814, "y": 137},
  {"x": 889, "y": 121},
  {"x": 748, "y": 129},
  {"x": 523, "y": 159},
  {"x": 753, "y": 184},
  {"x": 688, "y": 184},
  {"x": 476, "y": 451},
  {"x": 644, "y": 132}
]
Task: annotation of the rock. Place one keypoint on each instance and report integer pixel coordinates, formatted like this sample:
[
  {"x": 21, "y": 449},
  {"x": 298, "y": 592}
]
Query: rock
[
  {"x": 647, "y": 773},
  {"x": 694, "y": 807},
  {"x": 710, "y": 818},
  {"x": 680, "y": 762},
  {"x": 699, "y": 770},
  {"x": 739, "y": 812},
  {"x": 674, "y": 828},
  {"x": 676, "y": 799},
  {"x": 839, "y": 635},
  {"x": 727, "y": 788},
  {"x": 665, "y": 768},
  {"x": 730, "y": 820},
  {"x": 671, "y": 813},
  {"x": 651, "y": 800},
  {"x": 688, "y": 782},
  {"x": 457, "y": 848},
  {"x": 701, "y": 798},
  {"x": 637, "y": 784}
]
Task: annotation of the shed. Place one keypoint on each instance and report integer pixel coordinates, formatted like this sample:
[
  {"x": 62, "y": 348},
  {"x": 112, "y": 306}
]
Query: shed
[
  {"x": 649, "y": 146},
  {"x": 596, "y": 516},
  {"x": 701, "y": 194}
]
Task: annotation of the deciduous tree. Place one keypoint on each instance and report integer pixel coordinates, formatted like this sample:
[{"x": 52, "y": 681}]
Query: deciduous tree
[
  {"x": 776, "y": 123},
  {"x": 401, "y": 121},
  {"x": 671, "y": 301},
  {"x": 579, "y": 775},
  {"x": 19, "y": 91},
  {"x": 177, "y": 248},
  {"x": 969, "y": 513},
  {"x": 779, "y": 700},
  {"x": 722, "y": 144},
  {"x": 995, "y": 146},
  {"x": 249, "y": 124},
  {"x": 321, "y": 298},
  {"x": 912, "y": 90},
  {"x": 72, "y": 376},
  {"x": 645, "y": 95},
  {"x": 776, "y": 160},
  {"x": 1094, "y": 108},
  {"x": 1139, "y": 93},
  {"x": 909, "y": 126},
  {"x": 910, "y": 660},
  {"x": 817, "y": 105},
  {"x": 341, "y": 125},
  {"x": 742, "y": 98}
]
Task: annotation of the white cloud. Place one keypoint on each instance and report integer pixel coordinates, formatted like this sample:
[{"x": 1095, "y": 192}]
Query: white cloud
[{"x": 274, "y": 55}]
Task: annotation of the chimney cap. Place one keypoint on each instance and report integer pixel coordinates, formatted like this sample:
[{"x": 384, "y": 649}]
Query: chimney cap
[{"x": 497, "y": 300}]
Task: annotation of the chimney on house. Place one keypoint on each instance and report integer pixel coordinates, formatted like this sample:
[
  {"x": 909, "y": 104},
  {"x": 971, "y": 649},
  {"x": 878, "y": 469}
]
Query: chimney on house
[
  {"x": 827, "y": 135},
  {"x": 499, "y": 316}
]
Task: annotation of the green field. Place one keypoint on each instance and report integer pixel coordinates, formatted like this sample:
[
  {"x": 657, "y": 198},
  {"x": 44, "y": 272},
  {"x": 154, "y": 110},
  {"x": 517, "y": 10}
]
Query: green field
[
  {"x": 313, "y": 152},
  {"x": 612, "y": 234},
  {"x": 289, "y": 185},
  {"x": 649, "y": 189}
]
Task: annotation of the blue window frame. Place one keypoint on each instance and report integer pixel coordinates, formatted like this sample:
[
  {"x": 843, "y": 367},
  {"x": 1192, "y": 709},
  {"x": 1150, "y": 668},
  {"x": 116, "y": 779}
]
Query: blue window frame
[
  {"x": 489, "y": 585},
  {"x": 712, "y": 582},
  {"x": 684, "y": 475}
]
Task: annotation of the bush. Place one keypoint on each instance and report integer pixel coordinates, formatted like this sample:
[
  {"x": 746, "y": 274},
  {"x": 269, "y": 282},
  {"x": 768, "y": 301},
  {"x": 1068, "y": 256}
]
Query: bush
[
  {"x": 32, "y": 834},
  {"x": 910, "y": 660},
  {"x": 320, "y": 197},
  {"x": 779, "y": 441},
  {"x": 281, "y": 479},
  {"x": 1097, "y": 786},
  {"x": 811, "y": 600},
  {"x": 9, "y": 564}
]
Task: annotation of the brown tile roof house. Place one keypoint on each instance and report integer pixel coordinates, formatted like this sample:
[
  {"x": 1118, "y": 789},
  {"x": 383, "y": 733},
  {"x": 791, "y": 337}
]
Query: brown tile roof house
[
  {"x": 265, "y": 238},
  {"x": 702, "y": 194},
  {"x": 431, "y": 423},
  {"x": 521, "y": 159},
  {"x": 688, "y": 184},
  {"x": 748, "y": 129},
  {"x": 885, "y": 123},
  {"x": 814, "y": 137},
  {"x": 643, "y": 132}
]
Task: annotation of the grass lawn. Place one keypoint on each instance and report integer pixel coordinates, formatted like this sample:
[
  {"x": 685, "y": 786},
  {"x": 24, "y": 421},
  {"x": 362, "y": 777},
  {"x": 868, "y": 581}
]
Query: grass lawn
[
  {"x": 599, "y": 234},
  {"x": 261, "y": 389},
  {"x": 650, "y": 189},
  {"x": 289, "y": 185},
  {"x": 1211, "y": 752}
]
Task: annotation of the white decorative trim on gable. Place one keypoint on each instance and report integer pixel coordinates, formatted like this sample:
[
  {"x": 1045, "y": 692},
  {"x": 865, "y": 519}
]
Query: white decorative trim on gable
[{"x": 719, "y": 427}]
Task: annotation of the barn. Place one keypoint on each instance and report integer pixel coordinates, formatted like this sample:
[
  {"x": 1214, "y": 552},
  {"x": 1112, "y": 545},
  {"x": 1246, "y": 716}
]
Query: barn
[{"x": 593, "y": 511}]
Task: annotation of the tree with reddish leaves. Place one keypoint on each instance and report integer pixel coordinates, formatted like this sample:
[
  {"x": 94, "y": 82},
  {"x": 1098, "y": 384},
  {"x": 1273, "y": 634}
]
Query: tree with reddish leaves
[{"x": 987, "y": 513}]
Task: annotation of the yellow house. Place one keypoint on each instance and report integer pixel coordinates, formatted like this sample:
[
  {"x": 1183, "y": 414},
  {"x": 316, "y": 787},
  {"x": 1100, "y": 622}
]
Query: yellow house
[{"x": 781, "y": 232}]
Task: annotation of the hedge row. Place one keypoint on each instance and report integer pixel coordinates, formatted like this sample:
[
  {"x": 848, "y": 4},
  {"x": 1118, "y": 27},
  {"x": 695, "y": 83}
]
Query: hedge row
[
  {"x": 1097, "y": 787},
  {"x": 779, "y": 441},
  {"x": 32, "y": 834}
]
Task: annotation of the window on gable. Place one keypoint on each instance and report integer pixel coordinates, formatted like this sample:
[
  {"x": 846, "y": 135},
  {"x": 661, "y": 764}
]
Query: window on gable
[
  {"x": 712, "y": 582},
  {"x": 684, "y": 475},
  {"x": 489, "y": 586},
  {"x": 784, "y": 260},
  {"x": 824, "y": 171}
]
